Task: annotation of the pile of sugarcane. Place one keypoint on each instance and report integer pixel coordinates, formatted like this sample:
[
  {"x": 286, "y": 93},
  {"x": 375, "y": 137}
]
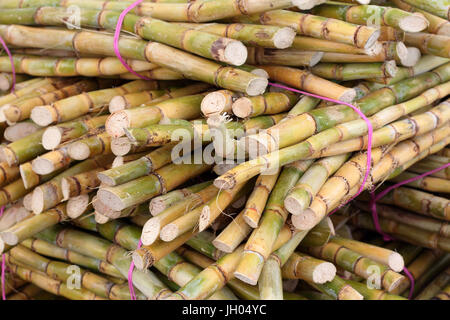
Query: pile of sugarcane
[{"x": 166, "y": 162}]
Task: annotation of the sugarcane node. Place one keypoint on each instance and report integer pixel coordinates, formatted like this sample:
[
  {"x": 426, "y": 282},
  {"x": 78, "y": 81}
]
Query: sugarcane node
[
  {"x": 51, "y": 138},
  {"x": 76, "y": 206}
]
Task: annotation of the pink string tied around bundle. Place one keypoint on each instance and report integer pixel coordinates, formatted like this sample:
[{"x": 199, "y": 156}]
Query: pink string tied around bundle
[
  {"x": 13, "y": 69},
  {"x": 376, "y": 221},
  {"x": 117, "y": 35},
  {"x": 130, "y": 276}
]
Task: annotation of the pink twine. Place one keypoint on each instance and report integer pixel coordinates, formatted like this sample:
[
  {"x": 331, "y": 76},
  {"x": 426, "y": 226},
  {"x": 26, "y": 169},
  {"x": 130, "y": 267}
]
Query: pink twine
[
  {"x": 13, "y": 69},
  {"x": 117, "y": 35},
  {"x": 369, "y": 139},
  {"x": 130, "y": 276},
  {"x": 2, "y": 209},
  {"x": 376, "y": 222}
]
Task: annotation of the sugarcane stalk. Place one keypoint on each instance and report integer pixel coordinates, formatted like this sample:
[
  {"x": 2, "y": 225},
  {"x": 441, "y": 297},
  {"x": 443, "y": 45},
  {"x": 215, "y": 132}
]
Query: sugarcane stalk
[
  {"x": 91, "y": 146},
  {"x": 139, "y": 190},
  {"x": 187, "y": 108},
  {"x": 439, "y": 8},
  {"x": 20, "y": 130},
  {"x": 338, "y": 289},
  {"x": 321, "y": 45},
  {"x": 431, "y": 163},
  {"x": 82, "y": 183},
  {"x": 191, "y": 66},
  {"x": 301, "y": 195},
  {"x": 315, "y": 26},
  {"x": 22, "y": 110},
  {"x": 257, "y": 200},
  {"x": 8, "y": 173},
  {"x": 431, "y": 184},
  {"x": 262, "y": 239},
  {"x": 60, "y": 133},
  {"x": 406, "y": 233},
  {"x": 53, "y": 286},
  {"x": 50, "y": 194},
  {"x": 268, "y": 103},
  {"x": 435, "y": 286},
  {"x": 58, "y": 271},
  {"x": 429, "y": 43},
  {"x": 162, "y": 202},
  {"x": 372, "y": 293},
  {"x": 357, "y": 264},
  {"x": 79, "y": 105},
  {"x": 99, "y": 248},
  {"x": 285, "y": 57},
  {"x": 437, "y": 24},
  {"x": 402, "y": 216},
  {"x": 47, "y": 249},
  {"x": 138, "y": 168},
  {"x": 6, "y": 81},
  {"x": 366, "y": 14},
  {"x": 28, "y": 292},
  {"x": 151, "y": 97},
  {"x": 152, "y": 227},
  {"x": 302, "y": 266},
  {"x": 249, "y": 169},
  {"x": 352, "y": 71},
  {"x": 396, "y": 131}
]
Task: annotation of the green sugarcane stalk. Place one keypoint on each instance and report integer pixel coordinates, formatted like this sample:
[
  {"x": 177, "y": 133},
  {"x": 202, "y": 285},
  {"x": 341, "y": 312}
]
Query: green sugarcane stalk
[
  {"x": 353, "y": 71},
  {"x": 371, "y": 14},
  {"x": 99, "y": 248},
  {"x": 440, "y": 8},
  {"x": 192, "y": 67},
  {"x": 47, "y": 249},
  {"x": 429, "y": 43}
]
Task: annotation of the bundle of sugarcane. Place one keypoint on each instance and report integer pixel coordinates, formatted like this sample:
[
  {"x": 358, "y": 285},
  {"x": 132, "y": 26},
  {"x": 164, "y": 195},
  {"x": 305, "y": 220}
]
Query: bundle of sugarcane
[{"x": 179, "y": 143}]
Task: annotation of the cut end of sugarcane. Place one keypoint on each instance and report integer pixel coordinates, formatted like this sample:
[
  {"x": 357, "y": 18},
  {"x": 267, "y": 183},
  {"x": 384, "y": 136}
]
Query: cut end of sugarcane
[
  {"x": 373, "y": 50},
  {"x": 118, "y": 161},
  {"x": 41, "y": 116},
  {"x": 249, "y": 220},
  {"x": 141, "y": 262},
  {"x": 363, "y": 1},
  {"x": 391, "y": 68},
  {"x": 396, "y": 262},
  {"x": 223, "y": 168},
  {"x": 416, "y": 22},
  {"x": 257, "y": 145},
  {"x": 150, "y": 232},
  {"x": 65, "y": 188},
  {"x": 315, "y": 58},
  {"x": 348, "y": 293},
  {"x": 304, "y": 221},
  {"x": 37, "y": 201},
  {"x": 242, "y": 107},
  {"x": 222, "y": 246},
  {"x": 213, "y": 103},
  {"x": 2, "y": 245},
  {"x": 9, "y": 238},
  {"x": 76, "y": 206},
  {"x": 348, "y": 96},
  {"x": 224, "y": 183},
  {"x": 51, "y": 138},
  {"x": 79, "y": 151},
  {"x": 4, "y": 83},
  {"x": 284, "y": 38},
  {"x": 6, "y": 155},
  {"x": 20, "y": 130},
  {"x": 260, "y": 73},
  {"x": 235, "y": 53},
  {"x": 101, "y": 219},
  {"x": 307, "y": 4},
  {"x": 156, "y": 206},
  {"x": 257, "y": 86},
  {"x": 42, "y": 166},
  {"x": 169, "y": 232},
  {"x": 108, "y": 197},
  {"x": 116, "y": 123},
  {"x": 292, "y": 205},
  {"x": 205, "y": 218},
  {"x": 373, "y": 38},
  {"x": 10, "y": 113},
  {"x": 106, "y": 180},
  {"x": 412, "y": 57},
  {"x": 27, "y": 201},
  {"x": 117, "y": 103},
  {"x": 121, "y": 146},
  {"x": 324, "y": 272}
]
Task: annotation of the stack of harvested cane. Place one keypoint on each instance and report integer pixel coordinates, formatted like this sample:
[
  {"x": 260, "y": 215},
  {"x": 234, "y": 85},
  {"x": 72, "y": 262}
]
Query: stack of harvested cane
[{"x": 172, "y": 144}]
